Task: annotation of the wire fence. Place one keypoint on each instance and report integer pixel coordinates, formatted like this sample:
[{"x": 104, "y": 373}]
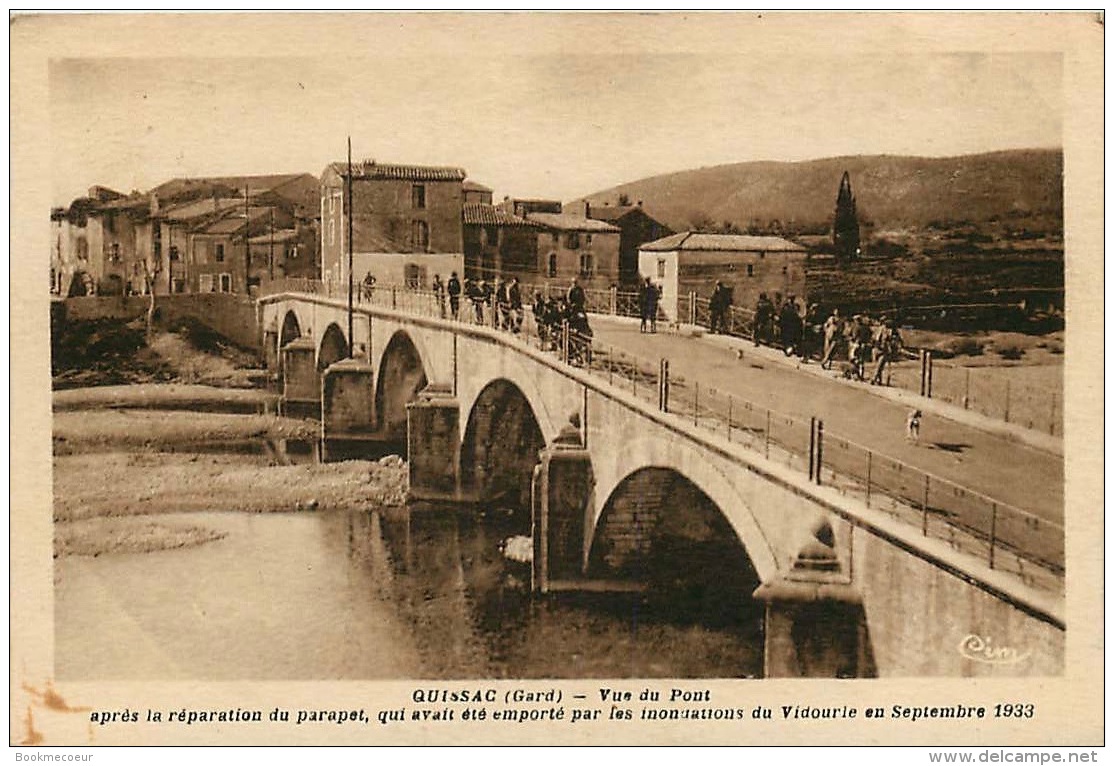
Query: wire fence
[{"x": 1006, "y": 537}]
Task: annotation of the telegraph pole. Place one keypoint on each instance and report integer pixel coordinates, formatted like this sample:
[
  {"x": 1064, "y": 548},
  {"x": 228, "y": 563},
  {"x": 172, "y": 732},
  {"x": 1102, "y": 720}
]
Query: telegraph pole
[
  {"x": 348, "y": 206},
  {"x": 247, "y": 246},
  {"x": 272, "y": 251}
]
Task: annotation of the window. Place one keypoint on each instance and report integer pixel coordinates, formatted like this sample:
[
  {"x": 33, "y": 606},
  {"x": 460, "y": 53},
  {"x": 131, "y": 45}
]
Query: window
[
  {"x": 784, "y": 269},
  {"x": 586, "y": 265},
  {"x": 417, "y": 197},
  {"x": 219, "y": 257},
  {"x": 552, "y": 264},
  {"x": 174, "y": 253},
  {"x": 750, "y": 269},
  {"x": 415, "y": 276},
  {"x": 421, "y": 236},
  {"x": 226, "y": 283},
  {"x": 587, "y": 240},
  {"x": 205, "y": 283},
  {"x": 556, "y": 238},
  {"x": 661, "y": 268},
  {"x": 114, "y": 256},
  {"x": 572, "y": 241}
]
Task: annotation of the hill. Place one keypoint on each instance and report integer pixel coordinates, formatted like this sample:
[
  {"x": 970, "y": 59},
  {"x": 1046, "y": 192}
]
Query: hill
[{"x": 892, "y": 192}]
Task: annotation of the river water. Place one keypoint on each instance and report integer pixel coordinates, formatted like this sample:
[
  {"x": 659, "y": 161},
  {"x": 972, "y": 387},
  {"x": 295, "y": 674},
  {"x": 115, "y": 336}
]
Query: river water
[{"x": 397, "y": 593}]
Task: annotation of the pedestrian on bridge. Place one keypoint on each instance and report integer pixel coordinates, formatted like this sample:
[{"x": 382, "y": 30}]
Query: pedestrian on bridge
[
  {"x": 439, "y": 294},
  {"x": 717, "y": 308},
  {"x": 454, "y": 295},
  {"x": 833, "y": 338},
  {"x": 514, "y": 297},
  {"x": 763, "y": 321}
]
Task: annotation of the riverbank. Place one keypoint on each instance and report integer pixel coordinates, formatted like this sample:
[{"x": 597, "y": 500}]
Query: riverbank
[{"x": 116, "y": 470}]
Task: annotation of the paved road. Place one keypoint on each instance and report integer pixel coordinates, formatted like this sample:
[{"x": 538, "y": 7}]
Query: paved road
[{"x": 996, "y": 466}]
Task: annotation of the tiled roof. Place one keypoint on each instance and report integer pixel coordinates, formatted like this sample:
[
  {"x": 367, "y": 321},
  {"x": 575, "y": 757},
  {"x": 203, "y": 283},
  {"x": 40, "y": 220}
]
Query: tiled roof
[
  {"x": 282, "y": 235},
  {"x": 200, "y": 209},
  {"x": 234, "y": 222},
  {"x": 488, "y": 215},
  {"x": 375, "y": 170},
  {"x": 192, "y": 186},
  {"x": 567, "y": 222},
  {"x": 472, "y": 186},
  {"x": 691, "y": 241}
]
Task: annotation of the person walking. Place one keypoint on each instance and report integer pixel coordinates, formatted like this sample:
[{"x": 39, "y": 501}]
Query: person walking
[
  {"x": 653, "y": 295},
  {"x": 789, "y": 321},
  {"x": 575, "y": 296},
  {"x": 514, "y": 298},
  {"x": 643, "y": 301},
  {"x": 717, "y": 308},
  {"x": 763, "y": 320},
  {"x": 453, "y": 289},
  {"x": 439, "y": 294},
  {"x": 502, "y": 319},
  {"x": 833, "y": 336}
]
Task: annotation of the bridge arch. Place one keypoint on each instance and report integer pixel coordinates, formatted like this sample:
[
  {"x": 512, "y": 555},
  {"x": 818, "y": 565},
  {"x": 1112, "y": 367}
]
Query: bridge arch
[
  {"x": 501, "y": 443},
  {"x": 401, "y": 375},
  {"x": 333, "y": 347},
  {"x": 291, "y": 328},
  {"x": 677, "y": 457},
  {"x": 551, "y": 409}
]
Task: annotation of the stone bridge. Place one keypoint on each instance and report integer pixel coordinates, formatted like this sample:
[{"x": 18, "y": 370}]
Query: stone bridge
[{"x": 615, "y": 488}]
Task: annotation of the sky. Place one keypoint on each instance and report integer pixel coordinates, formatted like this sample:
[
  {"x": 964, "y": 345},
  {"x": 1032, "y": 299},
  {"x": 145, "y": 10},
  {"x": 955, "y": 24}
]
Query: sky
[{"x": 557, "y": 124}]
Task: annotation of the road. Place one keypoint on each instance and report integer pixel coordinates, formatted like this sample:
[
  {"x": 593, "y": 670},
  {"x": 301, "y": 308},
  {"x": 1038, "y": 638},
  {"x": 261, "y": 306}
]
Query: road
[{"x": 1004, "y": 469}]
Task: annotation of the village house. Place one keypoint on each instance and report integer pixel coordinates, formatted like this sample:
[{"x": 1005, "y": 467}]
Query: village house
[
  {"x": 522, "y": 206},
  {"x": 286, "y": 253},
  {"x": 636, "y": 228},
  {"x": 407, "y": 223},
  {"x": 571, "y": 246},
  {"x": 497, "y": 243},
  {"x": 747, "y": 265},
  {"x": 477, "y": 194}
]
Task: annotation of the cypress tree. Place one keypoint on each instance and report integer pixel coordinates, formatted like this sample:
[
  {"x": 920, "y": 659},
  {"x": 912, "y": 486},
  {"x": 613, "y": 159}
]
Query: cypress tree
[{"x": 845, "y": 230}]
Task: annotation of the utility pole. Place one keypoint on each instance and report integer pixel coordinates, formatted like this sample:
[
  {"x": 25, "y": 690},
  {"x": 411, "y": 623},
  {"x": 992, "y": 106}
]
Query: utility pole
[
  {"x": 348, "y": 207},
  {"x": 271, "y": 258},
  {"x": 247, "y": 245}
]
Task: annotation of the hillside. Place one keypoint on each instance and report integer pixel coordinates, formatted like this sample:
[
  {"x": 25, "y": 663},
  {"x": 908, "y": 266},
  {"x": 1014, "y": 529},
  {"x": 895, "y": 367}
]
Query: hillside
[{"x": 892, "y": 192}]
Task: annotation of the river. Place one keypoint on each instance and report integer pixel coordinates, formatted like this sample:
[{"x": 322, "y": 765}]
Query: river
[{"x": 391, "y": 594}]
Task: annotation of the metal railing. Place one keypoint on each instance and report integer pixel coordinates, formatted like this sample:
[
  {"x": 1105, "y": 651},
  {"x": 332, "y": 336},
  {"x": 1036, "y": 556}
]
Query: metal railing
[{"x": 1006, "y": 537}]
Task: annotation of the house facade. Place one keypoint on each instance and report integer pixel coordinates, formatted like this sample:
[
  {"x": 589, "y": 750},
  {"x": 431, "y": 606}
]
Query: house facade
[
  {"x": 498, "y": 244},
  {"x": 407, "y": 223},
  {"x": 571, "y": 246},
  {"x": 476, "y": 194},
  {"x": 747, "y": 266},
  {"x": 636, "y": 228}
]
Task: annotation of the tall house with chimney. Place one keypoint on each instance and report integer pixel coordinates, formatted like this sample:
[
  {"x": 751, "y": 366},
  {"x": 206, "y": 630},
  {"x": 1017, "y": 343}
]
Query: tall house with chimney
[
  {"x": 636, "y": 228},
  {"x": 406, "y": 220}
]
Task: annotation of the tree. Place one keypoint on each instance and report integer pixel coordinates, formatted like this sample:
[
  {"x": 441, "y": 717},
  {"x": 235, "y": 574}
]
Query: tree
[{"x": 845, "y": 229}]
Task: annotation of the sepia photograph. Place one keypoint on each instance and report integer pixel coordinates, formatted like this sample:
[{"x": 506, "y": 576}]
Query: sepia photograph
[{"x": 661, "y": 378}]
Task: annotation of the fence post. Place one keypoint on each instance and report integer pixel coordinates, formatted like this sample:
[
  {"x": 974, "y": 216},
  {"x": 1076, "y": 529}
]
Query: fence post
[
  {"x": 819, "y": 449},
  {"x": 663, "y": 385},
  {"x": 928, "y": 357},
  {"x": 1007, "y": 415},
  {"x": 924, "y": 372},
  {"x": 993, "y": 530},
  {"x": 767, "y": 433},
  {"x": 1052, "y": 419},
  {"x": 394, "y": 297},
  {"x": 730, "y": 412},
  {"x": 692, "y": 308},
  {"x": 565, "y": 342},
  {"x": 924, "y": 508},
  {"x": 613, "y": 298},
  {"x": 812, "y": 448},
  {"x": 869, "y": 465},
  {"x": 966, "y": 386}
]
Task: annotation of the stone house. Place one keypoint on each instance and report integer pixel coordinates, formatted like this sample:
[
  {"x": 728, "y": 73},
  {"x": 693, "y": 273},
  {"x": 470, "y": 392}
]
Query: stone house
[{"x": 407, "y": 223}]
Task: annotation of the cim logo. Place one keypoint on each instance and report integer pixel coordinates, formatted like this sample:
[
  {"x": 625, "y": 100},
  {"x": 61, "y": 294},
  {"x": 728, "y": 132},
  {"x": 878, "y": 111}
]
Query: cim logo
[{"x": 982, "y": 649}]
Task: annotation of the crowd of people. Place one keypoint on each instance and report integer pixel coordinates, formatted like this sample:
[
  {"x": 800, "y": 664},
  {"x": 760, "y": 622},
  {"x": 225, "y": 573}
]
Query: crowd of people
[{"x": 860, "y": 340}]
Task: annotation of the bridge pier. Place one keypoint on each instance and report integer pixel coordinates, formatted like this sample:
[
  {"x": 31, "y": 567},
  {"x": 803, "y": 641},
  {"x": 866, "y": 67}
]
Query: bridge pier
[
  {"x": 815, "y": 626},
  {"x": 348, "y": 408},
  {"x": 562, "y": 511},
  {"x": 301, "y": 385},
  {"x": 433, "y": 444}
]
